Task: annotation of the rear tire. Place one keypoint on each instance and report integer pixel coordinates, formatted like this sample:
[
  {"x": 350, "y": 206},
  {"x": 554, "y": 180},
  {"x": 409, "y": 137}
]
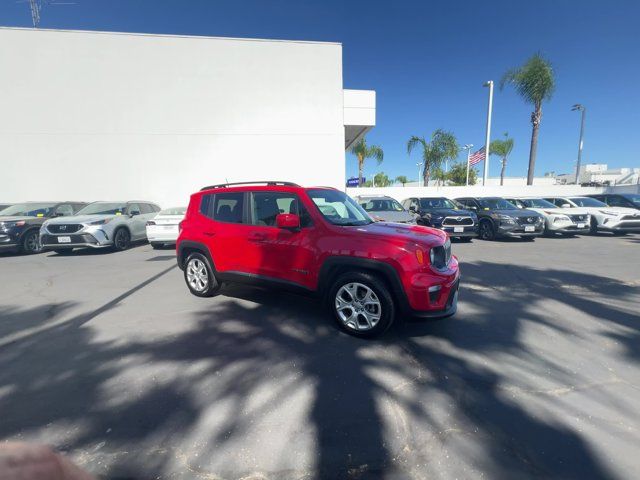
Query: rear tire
[
  {"x": 31, "y": 243},
  {"x": 121, "y": 240},
  {"x": 487, "y": 230},
  {"x": 361, "y": 304},
  {"x": 199, "y": 276}
]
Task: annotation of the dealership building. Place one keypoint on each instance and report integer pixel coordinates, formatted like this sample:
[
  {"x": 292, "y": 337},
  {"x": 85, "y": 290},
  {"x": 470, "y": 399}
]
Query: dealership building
[{"x": 118, "y": 116}]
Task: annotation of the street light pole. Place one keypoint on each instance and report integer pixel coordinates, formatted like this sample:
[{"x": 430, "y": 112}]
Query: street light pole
[
  {"x": 468, "y": 148},
  {"x": 418, "y": 165},
  {"x": 577, "y": 106},
  {"x": 488, "y": 136}
]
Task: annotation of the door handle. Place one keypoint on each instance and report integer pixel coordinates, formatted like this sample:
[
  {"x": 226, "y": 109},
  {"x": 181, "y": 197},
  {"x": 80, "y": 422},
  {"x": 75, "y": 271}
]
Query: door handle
[
  {"x": 209, "y": 234},
  {"x": 257, "y": 237}
]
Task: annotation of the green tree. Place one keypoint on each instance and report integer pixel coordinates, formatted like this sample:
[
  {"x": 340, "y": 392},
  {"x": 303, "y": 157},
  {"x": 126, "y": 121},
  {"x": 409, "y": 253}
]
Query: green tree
[
  {"x": 381, "y": 180},
  {"x": 402, "y": 179},
  {"x": 502, "y": 148},
  {"x": 362, "y": 151},
  {"x": 443, "y": 146},
  {"x": 534, "y": 82},
  {"x": 457, "y": 174}
]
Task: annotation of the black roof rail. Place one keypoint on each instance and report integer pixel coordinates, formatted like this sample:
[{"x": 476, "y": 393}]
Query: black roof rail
[{"x": 266, "y": 182}]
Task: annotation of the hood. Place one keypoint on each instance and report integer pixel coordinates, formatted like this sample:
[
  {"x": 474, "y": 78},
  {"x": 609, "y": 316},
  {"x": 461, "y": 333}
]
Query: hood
[
  {"x": 392, "y": 216},
  {"x": 21, "y": 218},
  {"x": 80, "y": 219},
  {"x": 447, "y": 212},
  {"x": 516, "y": 212},
  {"x": 407, "y": 233},
  {"x": 560, "y": 211},
  {"x": 616, "y": 210}
]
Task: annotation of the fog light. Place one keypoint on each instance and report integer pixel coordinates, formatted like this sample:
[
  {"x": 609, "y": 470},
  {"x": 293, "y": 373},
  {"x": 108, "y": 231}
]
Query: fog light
[{"x": 434, "y": 293}]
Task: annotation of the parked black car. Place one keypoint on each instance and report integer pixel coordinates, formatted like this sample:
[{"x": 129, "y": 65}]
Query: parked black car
[
  {"x": 20, "y": 223},
  {"x": 629, "y": 200},
  {"x": 500, "y": 218},
  {"x": 442, "y": 213}
]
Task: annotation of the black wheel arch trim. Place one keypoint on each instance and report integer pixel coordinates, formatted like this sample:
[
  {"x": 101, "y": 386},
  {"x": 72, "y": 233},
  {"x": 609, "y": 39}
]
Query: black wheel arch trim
[
  {"x": 192, "y": 245},
  {"x": 332, "y": 266}
]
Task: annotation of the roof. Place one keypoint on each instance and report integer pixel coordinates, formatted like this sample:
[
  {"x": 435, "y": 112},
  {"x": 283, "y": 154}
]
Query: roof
[{"x": 167, "y": 35}]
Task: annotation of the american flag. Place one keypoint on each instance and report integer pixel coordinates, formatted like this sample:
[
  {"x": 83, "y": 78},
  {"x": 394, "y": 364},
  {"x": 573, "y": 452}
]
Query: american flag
[{"x": 476, "y": 157}]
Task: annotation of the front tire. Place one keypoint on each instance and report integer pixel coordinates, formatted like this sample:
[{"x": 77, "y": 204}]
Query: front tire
[
  {"x": 593, "y": 227},
  {"x": 487, "y": 231},
  {"x": 31, "y": 243},
  {"x": 199, "y": 276},
  {"x": 121, "y": 240},
  {"x": 361, "y": 304}
]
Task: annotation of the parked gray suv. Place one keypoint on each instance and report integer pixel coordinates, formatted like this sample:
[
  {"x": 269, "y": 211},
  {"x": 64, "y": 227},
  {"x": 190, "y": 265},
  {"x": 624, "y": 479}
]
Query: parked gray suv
[{"x": 99, "y": 225}]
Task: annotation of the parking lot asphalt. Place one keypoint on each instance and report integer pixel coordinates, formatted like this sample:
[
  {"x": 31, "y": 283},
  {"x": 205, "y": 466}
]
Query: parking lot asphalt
[{"x": 108, "y": 357}]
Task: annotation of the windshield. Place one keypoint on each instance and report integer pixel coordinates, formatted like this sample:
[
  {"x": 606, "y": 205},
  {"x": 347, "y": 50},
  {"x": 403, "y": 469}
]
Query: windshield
[
  {"x": 635, "y": 199},
  {"x": 103, "y": 208},
  {"x": 496, "y": 204},
  {"x": 536, "y": 203},
  {"x": 338, "y": 208},
  {"x": 381, "y": 205},
  {"x": 28, "y": 210},
  {"x": 587, "y": 202},
  {"x": 173, "y": 211},
  {"x": 428, "y": 203}
]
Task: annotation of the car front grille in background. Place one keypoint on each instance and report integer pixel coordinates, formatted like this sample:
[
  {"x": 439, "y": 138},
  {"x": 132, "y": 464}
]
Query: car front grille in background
[
  {"x": 455, "y": 221},
  {"x": 527, "y": 220},
  {"x": 64, "y": 228},
  {"x": 579, "y": 218},
  {"x": 442, "y": 255}
]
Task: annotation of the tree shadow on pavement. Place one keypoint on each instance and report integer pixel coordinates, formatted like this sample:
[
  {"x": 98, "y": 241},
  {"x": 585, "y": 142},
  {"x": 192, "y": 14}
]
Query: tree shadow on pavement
[{"x": 190, "y": 403}]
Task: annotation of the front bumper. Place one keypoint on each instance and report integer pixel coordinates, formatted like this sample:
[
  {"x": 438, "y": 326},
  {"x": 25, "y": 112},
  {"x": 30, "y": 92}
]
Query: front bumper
[
  {"x": 508, "y": 230},
  {"x": 569, "y": 229},
  {"x": 449, "y": 308},
  {"x": 76, "y": 240},
  {"x": 10, "y": 239},
  {"x": 624, "y": 226},
  {"x": 467, "y": 231}
]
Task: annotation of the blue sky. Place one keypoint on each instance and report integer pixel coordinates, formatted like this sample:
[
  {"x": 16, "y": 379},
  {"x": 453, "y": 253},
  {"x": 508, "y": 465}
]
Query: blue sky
[{"x": 427, "y": 61}]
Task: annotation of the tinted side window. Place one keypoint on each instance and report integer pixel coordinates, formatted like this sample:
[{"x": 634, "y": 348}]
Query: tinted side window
[
  {"x": 267, "y": 205},
  {"x": 64, "y": 210},
  {"x": 133, "y": 207},
  {"x": 228, "y": 207},
  {"x": 145, "y": 208},
  {"x": 614, "y": 201}
]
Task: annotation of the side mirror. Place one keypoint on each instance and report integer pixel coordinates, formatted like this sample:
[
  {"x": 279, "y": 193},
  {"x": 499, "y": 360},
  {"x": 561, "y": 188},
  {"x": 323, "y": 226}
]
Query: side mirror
[
  {"x": 473, "y": 208},
  {"x": 134, "y": 213},
  {"x": 565, "y": 205},
  {"x": 288, "y": 220}
]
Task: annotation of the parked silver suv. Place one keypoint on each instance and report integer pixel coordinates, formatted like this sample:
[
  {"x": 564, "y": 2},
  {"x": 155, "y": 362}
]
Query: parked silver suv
[{"x": 99, "y": 225}]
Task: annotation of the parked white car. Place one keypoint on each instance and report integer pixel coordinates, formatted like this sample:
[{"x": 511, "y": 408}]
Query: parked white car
[
  {"x": 565, "y": 221},
  {"x": 163, "y": 228},
  {"x": 617, "y": 220}
]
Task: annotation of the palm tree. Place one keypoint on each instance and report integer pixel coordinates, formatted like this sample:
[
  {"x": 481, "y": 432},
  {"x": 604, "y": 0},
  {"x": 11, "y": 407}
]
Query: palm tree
[
  {"x": 535, "y": 82},
  {"x": 443, "y": 146},
  {"x": 381, "y": 179},
  {"x": 362, "y": 151},
  {"x": 402, "y": 179},
  {"x": 502, "y": 148}
]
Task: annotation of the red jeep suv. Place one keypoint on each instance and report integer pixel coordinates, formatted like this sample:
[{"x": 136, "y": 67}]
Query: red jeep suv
[{"x": 321, "y": 241}]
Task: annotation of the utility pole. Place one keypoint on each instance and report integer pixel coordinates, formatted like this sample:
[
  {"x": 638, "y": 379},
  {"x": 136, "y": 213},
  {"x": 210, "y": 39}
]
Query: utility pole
[
  {"x": 468, "y": 148},
  {"x": 577, "y": 106},
  {"x": 488, "y": 136},
  {"x": 418, "y": 165}
]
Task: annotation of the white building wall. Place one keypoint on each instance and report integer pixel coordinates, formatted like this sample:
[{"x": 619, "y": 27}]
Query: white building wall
[{"x": 90, "y": 115}]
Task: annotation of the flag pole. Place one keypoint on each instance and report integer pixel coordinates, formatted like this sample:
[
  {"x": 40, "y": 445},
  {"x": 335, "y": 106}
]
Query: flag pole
[
  {"x": 488, "y": 136},
  {"x": 468, "y": 160}
]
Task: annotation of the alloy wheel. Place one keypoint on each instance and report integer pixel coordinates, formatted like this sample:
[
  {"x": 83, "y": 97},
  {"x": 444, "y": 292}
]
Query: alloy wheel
[
  {"x": 197, "y": 275},
  {"x": 122, "y": 240},
  {"x": 32, "y": 243},
  {"x": 358, "y": 306}
]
